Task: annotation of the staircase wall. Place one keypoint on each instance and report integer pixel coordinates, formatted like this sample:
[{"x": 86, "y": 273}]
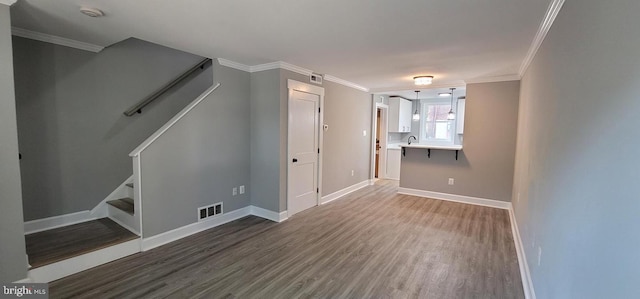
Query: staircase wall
[
  {"x": 200, "y": 159},
  {"x": 72, "y": 134}
]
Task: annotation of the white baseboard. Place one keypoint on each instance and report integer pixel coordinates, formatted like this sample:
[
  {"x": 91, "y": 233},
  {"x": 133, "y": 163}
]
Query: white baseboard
[
  {"x": 268, "y": 214},
  {"x": 39, "y": 225},
  {"x": 99, "y": 211},
  {"x": 340, "y": 193},
  {"x": 83, "y": 262},
  {"x": 457, "y": 198},
  {"x": 525, "y": 275},
  {"x": 187, "y": 230}
]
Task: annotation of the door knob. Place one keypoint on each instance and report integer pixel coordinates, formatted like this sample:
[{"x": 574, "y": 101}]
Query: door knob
[{"x": 295, "y": 160}]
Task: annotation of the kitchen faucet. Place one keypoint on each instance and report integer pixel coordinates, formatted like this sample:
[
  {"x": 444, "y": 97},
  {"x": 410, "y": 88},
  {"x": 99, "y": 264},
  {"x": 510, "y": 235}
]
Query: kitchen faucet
[{"x": 414, "y": 138}]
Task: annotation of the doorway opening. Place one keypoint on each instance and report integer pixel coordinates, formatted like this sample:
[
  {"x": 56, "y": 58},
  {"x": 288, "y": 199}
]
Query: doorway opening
[{"x": 379, "y": 141}]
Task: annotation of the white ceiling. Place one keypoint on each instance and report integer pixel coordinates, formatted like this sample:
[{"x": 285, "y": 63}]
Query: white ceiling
[
  {"x": 425, "y": 93},
  {"x": 378, "y": 44}
]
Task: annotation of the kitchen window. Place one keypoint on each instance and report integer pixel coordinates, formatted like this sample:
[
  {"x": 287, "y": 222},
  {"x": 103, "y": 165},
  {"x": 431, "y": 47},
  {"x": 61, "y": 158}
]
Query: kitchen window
[{"x": 435, "y": 128}]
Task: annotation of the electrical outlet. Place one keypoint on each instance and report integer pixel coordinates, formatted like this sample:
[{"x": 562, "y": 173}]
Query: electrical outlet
[
  {"x": 518, "y": 197},
  {"x": 451, "y": 181},
  {"x": 235, "y": 191},
  {"x": 539, "y": 254},
  {"x": 364, "y": 133},
  {"x": 242, "y": 189},
  {"x": 353, "y": 172}
]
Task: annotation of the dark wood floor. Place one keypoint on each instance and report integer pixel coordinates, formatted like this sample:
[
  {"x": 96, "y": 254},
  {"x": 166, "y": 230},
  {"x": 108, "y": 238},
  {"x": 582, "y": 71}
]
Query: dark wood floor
[
  {"x": 58, "y": 244},
  {"x": 373, "y": 243}
]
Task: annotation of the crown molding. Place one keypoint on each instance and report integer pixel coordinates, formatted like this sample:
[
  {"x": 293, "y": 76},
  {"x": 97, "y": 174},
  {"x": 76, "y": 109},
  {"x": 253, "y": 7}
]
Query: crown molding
[
  {"x": 53, "y": 39},
  {"x": 8, "y": 2},
  {"x": 513, "y": 77},
  {"x": 286, "y": 66},
  {"x": 234, "y": 65},
  {"x": 549, "y": 18},
  {"x": 345, "y": 83}
]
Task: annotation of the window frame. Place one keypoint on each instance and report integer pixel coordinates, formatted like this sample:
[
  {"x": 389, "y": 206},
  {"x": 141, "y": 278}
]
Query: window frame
[{"x": 424, "y": 103}]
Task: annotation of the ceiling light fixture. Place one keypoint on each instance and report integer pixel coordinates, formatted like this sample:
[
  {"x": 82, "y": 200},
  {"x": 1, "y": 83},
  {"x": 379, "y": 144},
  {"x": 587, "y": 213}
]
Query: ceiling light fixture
[
  {"x": 444, "y": 94},
  {"x": 451, "y": 115},
  {"x": 416, "y": 115},
  {"x": 423, "y": 80},
  {"x": 92, "y": 12}
]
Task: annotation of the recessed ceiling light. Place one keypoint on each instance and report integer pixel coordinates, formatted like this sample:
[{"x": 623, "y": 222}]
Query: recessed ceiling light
[
  {"x": 444, "y": 94},
  {"x": 92, "y": 12},
  {"x": 423, "y": 80}
]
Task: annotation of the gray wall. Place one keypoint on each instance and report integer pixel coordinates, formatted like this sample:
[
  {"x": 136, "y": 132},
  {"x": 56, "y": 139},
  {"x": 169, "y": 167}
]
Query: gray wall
[
  {"x": 13, "y": 260},
  {"x": 265, "y": 139},
  {"x": 200, "y": 159},
  {"x": 485, "y": 165},
  {"x": 577, "y": 165},
  {"x": 347, "y": 111},
  {"x": 73, "y": 136}
]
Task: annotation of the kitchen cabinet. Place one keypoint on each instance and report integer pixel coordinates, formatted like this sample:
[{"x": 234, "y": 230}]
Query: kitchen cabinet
[
  {"x": 393, "y": 164},
  {"x": 399, "y": 115}
]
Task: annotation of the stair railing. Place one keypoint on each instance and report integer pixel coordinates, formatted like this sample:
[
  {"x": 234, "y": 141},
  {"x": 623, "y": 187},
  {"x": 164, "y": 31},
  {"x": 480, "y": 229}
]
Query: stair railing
[{"x": 137, "y": 108}]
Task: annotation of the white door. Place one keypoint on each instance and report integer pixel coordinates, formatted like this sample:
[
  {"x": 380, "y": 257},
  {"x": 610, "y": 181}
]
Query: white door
[{"x": 303, "y": 150}]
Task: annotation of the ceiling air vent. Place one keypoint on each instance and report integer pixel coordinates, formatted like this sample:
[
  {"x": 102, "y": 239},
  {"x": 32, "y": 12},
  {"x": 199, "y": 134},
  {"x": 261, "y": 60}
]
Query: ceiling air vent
[{"x": 315, "y": 78}]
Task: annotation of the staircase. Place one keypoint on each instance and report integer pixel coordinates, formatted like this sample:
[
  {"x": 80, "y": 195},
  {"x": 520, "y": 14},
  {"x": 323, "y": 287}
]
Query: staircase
[
  {"x": 123, "y": 209},
  {"x": 125, "y": 204}
]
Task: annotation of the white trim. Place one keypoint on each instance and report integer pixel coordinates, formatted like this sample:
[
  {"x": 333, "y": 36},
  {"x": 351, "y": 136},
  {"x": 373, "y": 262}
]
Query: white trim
[
  {"x": 549, "y": 18},
  {"x": 289, "y": 67},
  {"x": 83, "y": 262},
  {"x": 304, "y": 87},
  {"x": 137, "y": 192},
  {"x": 513, "y": 77},
  {"x": 319, "y": 91},
  {"x": 8, "y": 2},
  {"x": 234, "y": 65},
  {"x": 101, "y": 210},
  {"x": 190, "y": 229},
  {"x": 172, "y": 121},
  {"x": 527, "y": 284},
  {"x": 345, "y": 83},
  {"x": 57, "y": 40},
  {"x": 280, "y": 65},
  {"x": 340, "y": 193},
  {"x": 384, "y": 119},
  {"x": 457, "y": 198},
  {"x": 268, "y": 214},
  {"x": 39, "y": 225}
]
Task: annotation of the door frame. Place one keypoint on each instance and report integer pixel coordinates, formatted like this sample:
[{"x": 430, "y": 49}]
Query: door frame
[
  {"x": 384, "y": 128},
  {"x": 319, "y": 91}
]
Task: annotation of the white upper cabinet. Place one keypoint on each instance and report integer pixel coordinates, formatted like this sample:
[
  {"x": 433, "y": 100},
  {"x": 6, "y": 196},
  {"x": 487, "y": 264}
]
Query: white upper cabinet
[{"x": 399, "y": 115}]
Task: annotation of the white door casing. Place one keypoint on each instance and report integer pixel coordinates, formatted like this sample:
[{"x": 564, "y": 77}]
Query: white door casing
[
  {"x": 304, "y": 137},
  {"x": 384, "y": 123}
]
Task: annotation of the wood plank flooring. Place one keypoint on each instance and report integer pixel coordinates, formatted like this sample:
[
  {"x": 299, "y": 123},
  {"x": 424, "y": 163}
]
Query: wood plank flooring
[
  {"x": 372, "y": 243},
  {"x": 58, "y": 244}
]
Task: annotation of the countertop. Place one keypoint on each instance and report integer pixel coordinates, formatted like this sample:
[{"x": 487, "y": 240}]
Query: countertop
[{"x": 453, "y": 147}]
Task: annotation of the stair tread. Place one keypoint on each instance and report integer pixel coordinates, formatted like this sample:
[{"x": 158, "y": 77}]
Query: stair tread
[
  {"x": 130, "y": 185},
  {"x": 124, "y": 204}
]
